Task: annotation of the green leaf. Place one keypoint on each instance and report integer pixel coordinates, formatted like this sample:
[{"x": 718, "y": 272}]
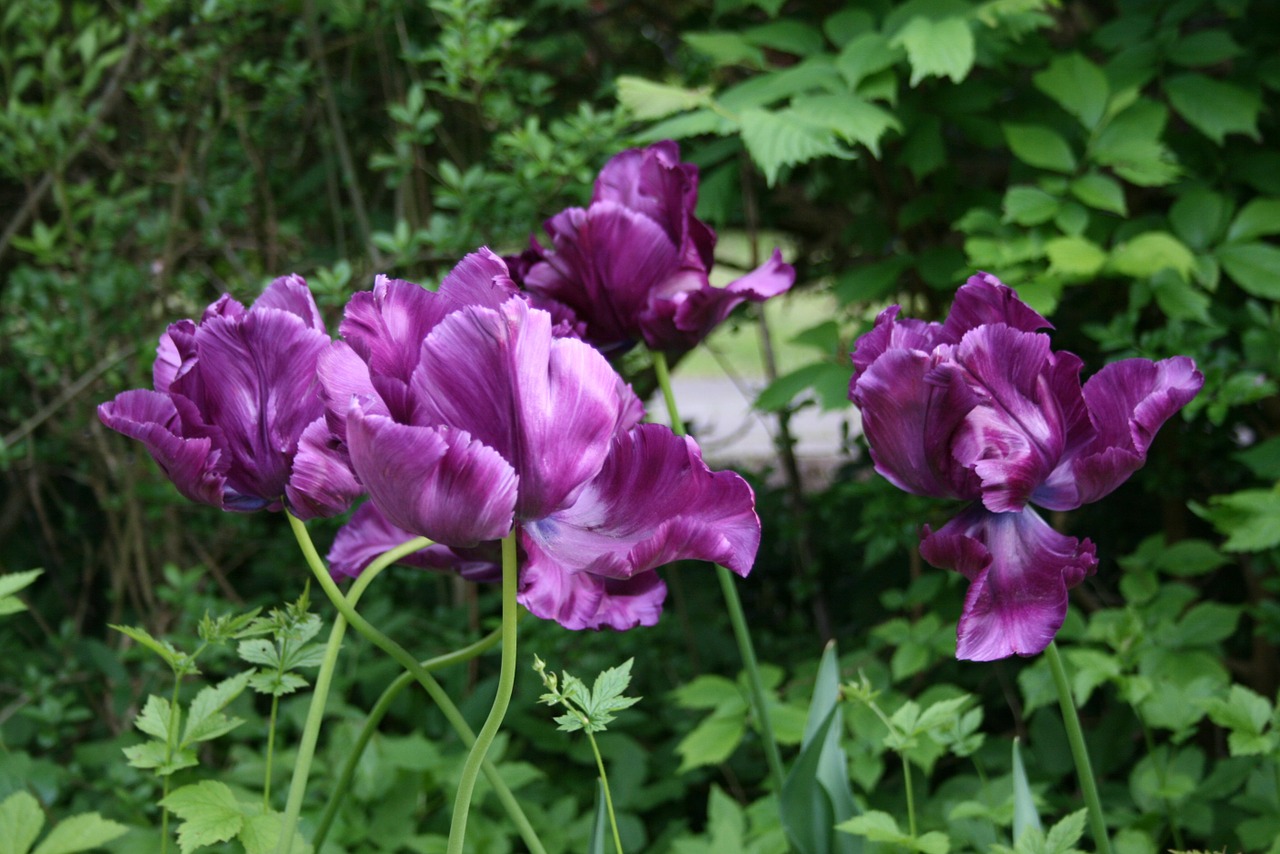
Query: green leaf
[
  {"x": 696, "y": 123},
  {"x": 1206, "y": 47},
  {"x": 1101, "y": 192},
  {"x": 20, "y": 823},
  {"x": 1255, "y": 267},
  {"x": 865, "y": 55},
  {"x": 1199, "y": 217},
  {"x": 815, "y": 74},
  {"x": 1078, "y": 86},
  {"x": 1213, "y": 107},
  {"x": 1026, "y": 205},
  {"x": 209, "y": 811},
  {"x": 788, "y": 36},
  {"x": 12, "y": 582},
  {"x": 151, "y": 754},
  {"x": 164, "y": 649},
  {"x": 775, "y": 139},
  {"x": 83, "y": 832},
  {"x": 205, "y": 720},
  {"x": 155, "y": 718},
  {"x": 782, "y": 392},
  {"x": 1039, "y": 146},
  {"x": 1208, "y": 622},
  {"x": 871, "y": 281},
  {"x": 854, "y": 119},
  {"x": 276, "y": 684},
  {"x": 1063, "y": 836},
  {"x": 1151, "y": 252},
  {"x": 875, "y": 826},
  {"x": 712, "y": 741},
  {"x": 1242, "y": 710},
  {"x": 1258, "y": 218},
  {"x": 599, "y": 841},
  {"x": 1263, "y": 459},
  {"x": 1130, "y": 144},
  {"x": 937, "y": 48},
  {"x": 647, "y": 100},
  {"x": 261, "y": 834},
  {"x": 1250, "y": 518},
  {"x": 708, "y": 692},
  {"x": 1178, "y": 298},
  {"x": 1074, "y": 257}
]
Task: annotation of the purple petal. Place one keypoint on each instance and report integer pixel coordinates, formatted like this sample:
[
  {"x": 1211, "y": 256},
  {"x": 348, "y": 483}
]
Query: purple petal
[
  {"x": 196, "y": 464},
  {"x": 481, "y": 278},
  {"x": 652, "y": 181},
  {"x": 322, "y": 482},
  {"x": 175, "y": 354},
  {"x": 1016, "y": 433},
  {"x": 890, "y": 333},
  {"x": 369, "y": 534},
  {"x": 1019, "y": 571},
  {"x": 909, "y": 422},
  {"x": 548, "y": 405},
  {"x": 258, "y": 374},
  {"x": 387, "y": 325},
  {"x": 437, "y": 482},
  {"x": 291, "y": 294},
  {"x": 578, "y": 600},
  {"x": 1128, "y": 402},
  {"x": 654, "y": 502},
  {"x": 983, "y": 300},
  {"x": 344, "y": 376}
]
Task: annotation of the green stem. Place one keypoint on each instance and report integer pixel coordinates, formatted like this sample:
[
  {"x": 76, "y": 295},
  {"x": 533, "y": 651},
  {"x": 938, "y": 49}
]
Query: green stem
[
  {"x": 376, "y": 715},
  {"x": 734, "y": 605},
  {"x": 168, "y": 757},
  {"x": 911, "y": 797},
  {"x": 346, "y": 607},
  {"x": 506, "y": 683},
  {"x": 1075, "y": 737},
  {"x": 608, "y": 797}
]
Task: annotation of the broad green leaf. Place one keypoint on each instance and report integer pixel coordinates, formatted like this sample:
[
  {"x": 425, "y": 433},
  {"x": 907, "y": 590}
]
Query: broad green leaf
[
  {"x": 810, "y": 76},
  {"x": 20, "y": 821},
  {"x": 1206, "y": 47},
  {"x": 1213, "y": 107},
  {"x": 276, "y": 684},
  {"x": 260, "y": 651},
  {"x": 205, "y": 720},
  {"x": 1255, "y": 267},
  {"x": 1101, "y": 192},
  {"x": 1242, "y": 710},
  {"x": 1074, "y": 257},
  {"x": 782, "y": 392},
  {"x": 1263, "y": 459},
  {"x": 1258, "y": 218},
  {"x": 83, "y": 832},
  {"x": 788, "y": 36},
  {"x": 1025, "y": 814},
  {"x": 852, "y": 118},
  {"x": 209, "y": 812},
  {"x": 647, "y": 100},
  {"x": 707, "y": 692},
  {"x": 785, "y": 138},
  {"x": 726, "y": 48},
  {"x": 864, "y": 56},
  {"x": 875, "y": 826},
  {"x": 12, "y": 582},
  {"x": 1130, "y": 143},
  {"x": 1151, "y": 252},
  {"x": 1178, "y": 297},
  {"x": 1078, "y": 86},
  {"x": 712, "y": 741},
  {"x": 1039, "y": 146},
  {"x": 1208, "y": 622},
  {"x": 872, "y": 281},
  {"x": 1027, "y": 205},
  {"x": 937, "y": 48},
  {"x": 151, "y": 754},
  {"x": 696, "y": 123},
  {"x": 1199, "y": 217}
]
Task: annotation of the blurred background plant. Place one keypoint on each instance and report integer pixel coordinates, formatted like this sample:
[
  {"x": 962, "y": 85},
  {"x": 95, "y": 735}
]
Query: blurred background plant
[{"x": 1115, "y": 162}]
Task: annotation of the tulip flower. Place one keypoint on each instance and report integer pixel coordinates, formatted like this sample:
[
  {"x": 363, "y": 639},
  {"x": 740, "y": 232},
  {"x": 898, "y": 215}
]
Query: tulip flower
[
  {"x": 979, "y": 408},
  {"x": 235, "y": 418},
  {"x": 465, "y": 414},
  {"x": 633, "y": 266}
]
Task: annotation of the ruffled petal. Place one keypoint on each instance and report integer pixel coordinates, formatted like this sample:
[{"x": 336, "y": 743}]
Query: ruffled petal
[
  {"x": 548, "y": 405},
  {"x": 386, "y": 326},
  {"x": 291, "y": 294},
  {"x": 909, "y": 422},
  {"x": 890, "y": 333},
  {"x": 481, "y": 278},
  {"x": 985, "y": 300},
  {"x": 343, "y": 377},
  {"x": 175, "y": 355},
  {"x": 196, "y": 464},
  {"x": 654, "y": 502},
  {"x": 1019, "y": 571},
  {"x": 652, "y": 181},
  {"x": 259, "y": 381},
  {"x": 437, "y": 482},
  {"x": 694, "y": 313},
  {"x": 322, "y": 482},
  {"x": 578, "y": 600},
  {"x": 368, "y": 534}
]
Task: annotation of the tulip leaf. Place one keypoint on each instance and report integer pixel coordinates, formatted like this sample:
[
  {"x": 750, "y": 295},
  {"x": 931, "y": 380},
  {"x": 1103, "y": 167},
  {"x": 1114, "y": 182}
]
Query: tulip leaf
[
  {"x": 598, "y": 843},
  {"x": 1025, "y": 815},
  {"x": 1039, "y": 146},
  {"x": 1213, "y": 107}
]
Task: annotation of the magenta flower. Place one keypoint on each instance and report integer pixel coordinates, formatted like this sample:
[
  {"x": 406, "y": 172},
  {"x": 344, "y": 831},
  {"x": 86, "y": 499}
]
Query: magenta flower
[
  {"x": 979, "y": 408},
  {"x": 633, "y": 265},
  {"x": 236, "y": 420},
  {"x": 465, "y": 414}
]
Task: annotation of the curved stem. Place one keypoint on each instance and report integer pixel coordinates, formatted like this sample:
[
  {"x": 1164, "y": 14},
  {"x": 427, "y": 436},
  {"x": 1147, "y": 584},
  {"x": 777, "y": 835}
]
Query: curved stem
[
  {"x": 1075, "y": 737},
  {"x": 734, "y": 605},
  {"x": 346, "y": 608},
  {"x": 506, "y": 683},
  {"x": 376, "y": 715},
  {"x": 608, "y": 797}
]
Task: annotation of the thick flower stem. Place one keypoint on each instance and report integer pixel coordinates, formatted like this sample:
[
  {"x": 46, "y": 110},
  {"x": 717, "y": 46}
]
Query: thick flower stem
[
  {"x": 345, "y": 606},
  {"x": 506, "y": 683},
  {"x": 379, "y": 711},
  {"x": 734, "y": 605},
  {"x": 1075, "y": 737}
]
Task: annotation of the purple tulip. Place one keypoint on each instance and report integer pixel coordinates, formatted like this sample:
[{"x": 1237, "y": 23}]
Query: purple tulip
[
  {"x": 467, "y": 412},
  {"x": 633, "y": 265},
  {"x": 236, "y": 420},
  {"x": 979, "y": 408}
]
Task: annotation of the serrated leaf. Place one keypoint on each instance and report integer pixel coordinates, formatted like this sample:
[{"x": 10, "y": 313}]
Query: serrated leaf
[
  {"x": 876, "y": 826},
  {"x": 151, "y": 754},
  {"x": 1098, "y": 191},
  {"x": 1130, "y": 143},
  {"x": 1213, "y": 107},
  {"x": 1151, "y": 252},
  {"x": 1255, "y": 267},
  {"x": 1078, "y": 86},
  {"x": 1026, "y": 205},
  {"x": 277, "y": 684},
  {"x": 1040, "y": 146},
  {"x": 648, "y": 100},
  {"x": 306, "y": 655},
  {"x": 209, "y": 812},
  {"x": 261, "y": 835},
  {"x": 204, "y": 718},
  {"x": 1063, "y": 836},
  {"x": 775, "y": 139},
  {"x": 164, "y": 649},
  {"x": 20, "y": 821},
  {"x": 856, "y": 120},
  {"x": 82, "y": 832},
  {"x": 260, "y": 651},
  {"x": 1258, "y": 218},
  {"x": 695, "y": 123},
  {"x": 155, "y": 718},
  {"x": 937, "y": 48},
  {"x": 1242, "y": 710},
  {"x": 1074, "y": 256},
  {"x": 867, "y": 54}
]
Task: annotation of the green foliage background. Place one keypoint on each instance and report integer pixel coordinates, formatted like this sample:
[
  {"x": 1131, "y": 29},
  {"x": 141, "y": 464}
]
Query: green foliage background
[{"x": 1116, "y": 162}]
